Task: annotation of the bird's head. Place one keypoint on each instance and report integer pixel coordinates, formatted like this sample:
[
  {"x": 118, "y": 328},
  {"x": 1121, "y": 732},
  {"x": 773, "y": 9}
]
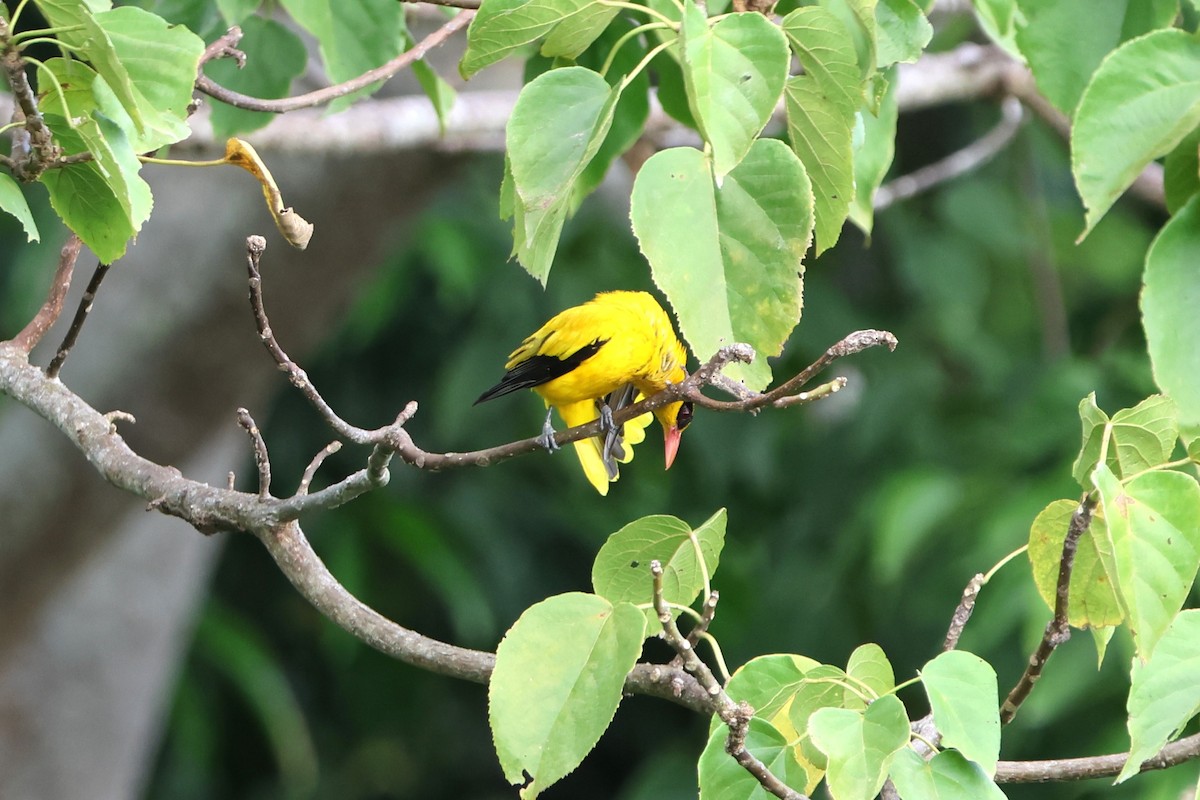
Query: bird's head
[{"x": 673, "y": 417}]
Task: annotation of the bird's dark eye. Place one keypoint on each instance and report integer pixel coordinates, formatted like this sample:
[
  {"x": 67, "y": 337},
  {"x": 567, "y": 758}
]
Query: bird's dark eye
[{"x": 684, "y": 418}]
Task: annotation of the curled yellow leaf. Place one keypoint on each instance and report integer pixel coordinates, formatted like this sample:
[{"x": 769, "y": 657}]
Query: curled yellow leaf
[{"x": 295, "y": 229}]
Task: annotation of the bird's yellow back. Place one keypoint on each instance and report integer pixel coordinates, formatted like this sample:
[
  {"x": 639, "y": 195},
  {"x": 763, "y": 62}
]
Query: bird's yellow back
[{"x": 628, "y": 338}]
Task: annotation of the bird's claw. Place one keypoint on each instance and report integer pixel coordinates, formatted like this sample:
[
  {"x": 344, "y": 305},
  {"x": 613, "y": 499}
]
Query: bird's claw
[
  {"x": 606, "y": 419},
  {"x": 546, "y": 439}
]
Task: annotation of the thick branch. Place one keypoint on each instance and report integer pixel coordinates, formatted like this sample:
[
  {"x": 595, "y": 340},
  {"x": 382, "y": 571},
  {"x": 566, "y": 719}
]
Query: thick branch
[
  {"x": 210, "y": 509},
  {"x": 1079, "y": 769},
  {"x": 330, "y": 93}
]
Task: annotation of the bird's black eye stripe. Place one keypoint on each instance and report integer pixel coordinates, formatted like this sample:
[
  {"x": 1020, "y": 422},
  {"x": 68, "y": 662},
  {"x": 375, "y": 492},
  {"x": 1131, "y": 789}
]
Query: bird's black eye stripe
[{"x": 684, "y": 418}]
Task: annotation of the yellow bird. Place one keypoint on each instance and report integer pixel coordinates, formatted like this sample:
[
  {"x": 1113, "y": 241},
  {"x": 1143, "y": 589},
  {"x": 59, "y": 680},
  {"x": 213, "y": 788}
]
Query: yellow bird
[{"x": 593, "y": 359}]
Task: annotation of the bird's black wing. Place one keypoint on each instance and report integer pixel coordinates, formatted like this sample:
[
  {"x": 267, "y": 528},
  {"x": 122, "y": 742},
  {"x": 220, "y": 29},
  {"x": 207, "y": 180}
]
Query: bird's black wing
[{"x": 536, "y": 370}]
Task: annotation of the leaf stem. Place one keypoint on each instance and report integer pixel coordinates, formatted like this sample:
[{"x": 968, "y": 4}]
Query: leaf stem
[
  {"x": 905, "y": 684},
  {"x": 933, "y": 748},
  {"x": 1168, "y": 465},
  {"x": 999, "y": 564},
  {"x": 717, "y": 654},
  {"x": 62, "y": 95},
  {"x": 26, "y": 38},
  {"x": 642, "y": 9},
  {"x": 16, "y": 14},
  {"x": 648, "y": 58},
  {"x": 640, "y": 29},
  {"x": 176, "y": 162}
]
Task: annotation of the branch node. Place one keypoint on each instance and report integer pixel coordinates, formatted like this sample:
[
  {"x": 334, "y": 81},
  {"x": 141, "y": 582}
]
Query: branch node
[{"x": 113, "y": 417}]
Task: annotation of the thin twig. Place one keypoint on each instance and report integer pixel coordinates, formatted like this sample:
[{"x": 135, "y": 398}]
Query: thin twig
[
  {"x": 736, "y": 715},
  {"x": 255, "y": 246},
  {"x": 329, "y": 93},
  {"x": 1058, "y": 629},
  {"x": 81, "y": 313},
  {"x": 962, "y": 614},
  {"x": 225, "y": 46},
  {"x": 262, "y": 460},
  {"x": 310, "y": 471},
  {"x": 393, "y": 439},
  {"x": 956, "y": 164},
  {"x": 48, "y": 314}
]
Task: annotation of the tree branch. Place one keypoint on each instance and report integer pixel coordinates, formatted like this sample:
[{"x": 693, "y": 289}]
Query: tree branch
[
  {"x": 736, "y": 715},
  {"x": 49, "y": 313},
  {"x": 81, "y": 313},
  {"x": 1058, "y": 629},
  {"x": 956, "y": 164},
  {"x": 329, "y": 93},
  {"x": 1106, "y": 766}
]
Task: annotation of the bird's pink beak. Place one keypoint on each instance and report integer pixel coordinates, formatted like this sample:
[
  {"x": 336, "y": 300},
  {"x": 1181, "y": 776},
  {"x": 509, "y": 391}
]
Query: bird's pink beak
[{"x": 671, "y": 444}]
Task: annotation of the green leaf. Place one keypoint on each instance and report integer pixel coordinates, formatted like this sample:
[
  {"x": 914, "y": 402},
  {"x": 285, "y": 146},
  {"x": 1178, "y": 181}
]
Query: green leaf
[
  {"x": 234, "y": 12},
  {"x": 821, "y": 105},
  {"x": 354, "y": 36},
  {"x": 1144, "y": 436},
  {"x": 161, "y": 62},
  {"x": 860, "y": 745},
  {"x": 1152, "y": 84},
  {"x": 947, "y": 776},
  {"x": 632, "y": 109},
  {"x": 1093, "y": 29},
  {"x": 502, "y": 26},
  {"x": 1101, "y": 637},
  {"x": 869, "y": 666},
  {"x": 859, "y": 18},
  {"x": 999, "y": 19},
  {"x": 1141, "y": 437},
  {"x": 559, "y": 122},
  {"x": 104, "y": 200},
  {"x": 728, "y": 259},
  {"x": 576, "y": 32},
  {"x": 274, "y": 57},
  {"x": 12, "y": 201},
  {"x": 768, "y": 683},
  {"x": 557, "y": 684},
  {"x": 784, "y": 690},
  {"x": 1094, "y": 423},
  {"x": 1170, "y": 297},
  {"x": 93, "y": 45},
  {"x": 962, "y": 693},
  {"x": 1164, "y": 694},
  {"x": 672, "y": 89},
  {"x": 1154, "y": 523},
  {"x": 901, "y": 33},
  {"x": 735, "y": 71},
  {"x": 1092, "y": 592},
  {"x": 874, "y": 147},
  {"x": 621, "y": 572},
  {"x": 439, "y": 91},
  {"x": 1181, "y": 172},
  {"x": 722, "y": 778}
]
